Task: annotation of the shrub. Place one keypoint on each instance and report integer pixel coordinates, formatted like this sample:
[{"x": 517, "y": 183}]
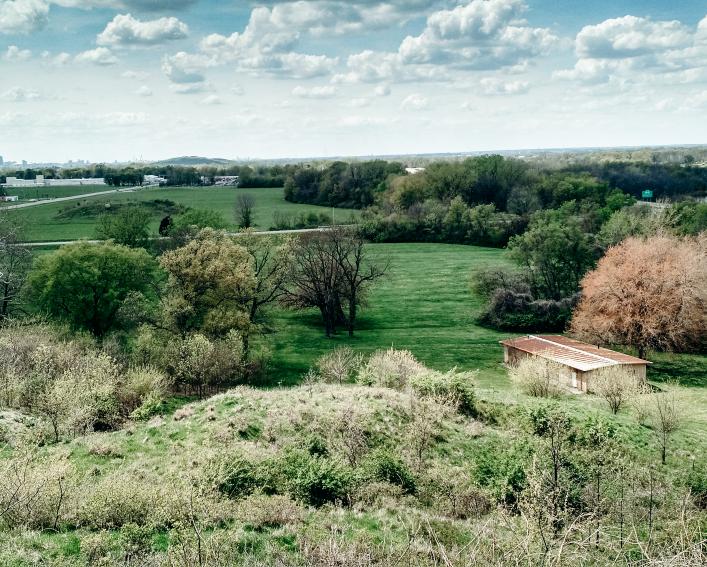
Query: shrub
[
  {"x": 140, "y": 384},
  {"x": 261, "y": 511},
  {"x": 390, "y": 369},
  {"x": 511, "y": 310},
  {"x": 616, "y": 385},
  {"x": 537, "y": 377},
  {"x": 383, "y": 466},
  {"x": 339, "y": 366},
  {"x": 233, "y": 475},
  {"x": 316, "y": 480},
  {"x": 457, "y": 386}
]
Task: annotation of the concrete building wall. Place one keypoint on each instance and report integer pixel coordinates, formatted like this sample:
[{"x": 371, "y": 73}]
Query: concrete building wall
[{"x": 571, "y": 377}]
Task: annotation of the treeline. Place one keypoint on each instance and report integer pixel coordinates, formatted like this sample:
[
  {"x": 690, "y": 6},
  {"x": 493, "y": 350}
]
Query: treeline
[{"x": 341, "y": 184}]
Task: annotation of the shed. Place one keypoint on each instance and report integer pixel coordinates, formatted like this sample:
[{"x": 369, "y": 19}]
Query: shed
[{"x": 578, "y": 360}]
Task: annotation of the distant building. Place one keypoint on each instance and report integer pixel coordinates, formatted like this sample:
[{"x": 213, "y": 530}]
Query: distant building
[
  {"x": 2, "y": 161},
  {"x": 414, "y": 170},
  {"x": 578, "y": 360},
  {"x": 154, "y": 180},
  {"x": 8, "y": 198},
  {"x": 41, "y": 181},
  {"x": 227, "y": 180}
]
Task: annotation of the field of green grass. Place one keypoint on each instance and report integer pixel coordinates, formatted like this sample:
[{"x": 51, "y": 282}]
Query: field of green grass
[
  {"x": 56, "y": 221},
  {"x": 27, "y": 193},
  {"x": 425, "y": 305}
]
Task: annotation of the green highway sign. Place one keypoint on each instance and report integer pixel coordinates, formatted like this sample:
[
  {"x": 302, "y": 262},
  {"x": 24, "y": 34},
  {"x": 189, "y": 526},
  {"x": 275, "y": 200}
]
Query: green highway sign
[{"x": 647, "y": 194}]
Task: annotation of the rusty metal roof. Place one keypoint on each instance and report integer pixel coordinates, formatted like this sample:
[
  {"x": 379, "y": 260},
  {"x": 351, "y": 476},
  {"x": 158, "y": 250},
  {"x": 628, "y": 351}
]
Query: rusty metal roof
[{"x": 575, "y": 354}]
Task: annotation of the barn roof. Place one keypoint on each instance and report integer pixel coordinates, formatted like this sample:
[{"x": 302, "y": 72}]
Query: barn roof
[{"x": 572, "y": 353}]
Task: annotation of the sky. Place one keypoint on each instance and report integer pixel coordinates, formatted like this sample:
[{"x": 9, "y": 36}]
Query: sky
[{"x": 106, "y": 80}]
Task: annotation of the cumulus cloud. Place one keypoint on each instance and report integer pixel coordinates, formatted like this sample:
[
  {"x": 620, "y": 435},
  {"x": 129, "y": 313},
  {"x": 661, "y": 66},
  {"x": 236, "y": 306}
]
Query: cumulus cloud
[
  {"x": 22, "y": 16},
  {"x": 142, "y": 5},
  {"x": 14, "y": 53},
  {"x": 101, "y": 56},
  {"x": 480, "y": 35},
  {"x": 124, "y": 30},
  {"x": 21, "y": 94},
  {"x": 382, "y": 90},
  {"x": 314, "y": 92},
  {"x": 495, "y": 86},
  {"x": 56, "y": 60},
  {"x": 631, "y": 45},
  {"x": 184, "y": 68},
  {"x": 144, "y": 91},
  {"x": 415, "y": 102}
]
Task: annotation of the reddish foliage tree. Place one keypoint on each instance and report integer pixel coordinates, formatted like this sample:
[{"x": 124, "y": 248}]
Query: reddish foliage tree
[{"x": 647, "y": 293}]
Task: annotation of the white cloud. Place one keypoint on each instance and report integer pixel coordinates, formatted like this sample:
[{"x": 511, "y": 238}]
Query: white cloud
[
  {"x": 191, "y": 88},
  {"x": 145, "y": 5},
  {"x": 22, "y": 16},
  {"x": 495, "y": 86},
  {"x": 314, "y": 92},
  {"x": 100, "y": 56},
  {"x": 144, "y": 91},
  {"x": 56, "y": 60},
  {"x": 125, "y": 30},
  {"x": 415, "y": 102},
  {"x": 630, "y": 36},
  {"x": 14, "y": 53},
  {"x": 360, "y": 102},
  {"x": 382, "y": 90},
  {"x": 480, "y": 35},
  {"x": 211, "y": 100},
  {"x": 638, "y": 48},
  {"x": 141, "y": 75},
  {"x": 21, "y": 94},
  {"x": 183, "y": 68}
]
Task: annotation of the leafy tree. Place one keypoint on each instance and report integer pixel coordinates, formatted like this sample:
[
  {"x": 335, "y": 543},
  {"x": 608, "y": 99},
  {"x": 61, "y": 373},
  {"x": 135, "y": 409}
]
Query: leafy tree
[
  {"x": 86, "y": 284},
  {"x": 648, "y": 294},
  {"x": 556, "y": 254},
  {"x": 15, "y": 261},
  {"x": 196, "y": 219},
  {"x": 129, "y": 227},
  {"x": 210, "y": 282}
]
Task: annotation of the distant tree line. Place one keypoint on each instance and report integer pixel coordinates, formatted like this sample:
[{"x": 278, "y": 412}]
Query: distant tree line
[{"x": 341, "y": 184}]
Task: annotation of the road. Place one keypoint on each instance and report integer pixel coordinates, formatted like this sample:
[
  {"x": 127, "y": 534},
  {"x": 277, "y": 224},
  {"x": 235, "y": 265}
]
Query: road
[
  {"x": 71, "y": 198},
  {"x": 236, "y": 234}
]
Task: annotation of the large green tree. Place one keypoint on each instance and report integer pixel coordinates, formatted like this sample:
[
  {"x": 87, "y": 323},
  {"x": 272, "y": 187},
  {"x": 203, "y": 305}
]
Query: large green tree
[
  {"x": 129, "y": 226},
  {"x": 86, "y": 284},
  {"x": 557, "y": 255}
]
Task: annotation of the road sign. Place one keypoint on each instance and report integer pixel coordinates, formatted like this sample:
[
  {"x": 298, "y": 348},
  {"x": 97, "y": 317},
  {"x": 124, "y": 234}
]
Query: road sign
[{"x": 647, "y": 194}]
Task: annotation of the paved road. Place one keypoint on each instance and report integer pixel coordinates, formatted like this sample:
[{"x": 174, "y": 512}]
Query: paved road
[
  {"x": 236, "y": 234},
  {"x": 71, "y": 198}
]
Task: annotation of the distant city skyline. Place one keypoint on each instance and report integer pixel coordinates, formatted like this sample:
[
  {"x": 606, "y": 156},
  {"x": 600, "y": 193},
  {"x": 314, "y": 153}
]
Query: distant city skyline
[{"x": 118, "y": 79}]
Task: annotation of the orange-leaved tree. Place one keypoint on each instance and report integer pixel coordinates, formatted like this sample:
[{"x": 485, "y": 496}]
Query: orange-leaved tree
[{"x": 647, "y": 293}]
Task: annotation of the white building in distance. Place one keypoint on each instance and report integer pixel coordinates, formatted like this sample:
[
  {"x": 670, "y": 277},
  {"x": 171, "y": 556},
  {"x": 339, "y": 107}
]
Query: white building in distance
[{"x": 40, "y": 181}]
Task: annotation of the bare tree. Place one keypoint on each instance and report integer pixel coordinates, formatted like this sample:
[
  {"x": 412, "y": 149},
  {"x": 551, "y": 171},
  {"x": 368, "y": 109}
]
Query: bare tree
[
  {"x": 15, "y": 261},
  {"x": 330, "y": 270},
  {"x": 665, "y": 418},
  {"x": 616, "y": 385},
  {"x": 244, "y": 210}
]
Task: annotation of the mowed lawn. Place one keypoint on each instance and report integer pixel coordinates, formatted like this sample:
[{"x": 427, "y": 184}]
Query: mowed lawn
[
  {"x": 27, "y": 193},
  {"x": 45, "y": 223},
  {"x": 424, "y": 304}
]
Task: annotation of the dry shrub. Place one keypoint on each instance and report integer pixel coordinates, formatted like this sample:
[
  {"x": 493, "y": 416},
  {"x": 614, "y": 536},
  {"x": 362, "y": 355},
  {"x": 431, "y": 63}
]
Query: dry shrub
[
  {"x": 390, "y": 369},
  {"x": 425, "y": 428},
  {"x": 339, "y": 366},
  {"x": 453, "y": 494},
  {"x": 377, "y": 495},
  {"x": 616, "y": 384},
  {"x": 141, "y": 383},
  {"x": 261, "y": 511},
  {"x": 456, "y": 387},
  {"x": 537, "y": 377}
]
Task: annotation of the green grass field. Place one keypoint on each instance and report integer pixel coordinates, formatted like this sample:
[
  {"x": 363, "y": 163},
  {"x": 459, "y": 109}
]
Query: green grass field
[
  {"x": 425, "y": 305},
  {"x": 45, "y": 222},
  {"x": 27, "y": 193}
]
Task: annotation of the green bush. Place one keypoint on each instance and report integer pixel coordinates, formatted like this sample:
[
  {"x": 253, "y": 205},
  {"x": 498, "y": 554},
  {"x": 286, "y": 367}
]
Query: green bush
[
  {"x": 457, "y": 386},
  {"x": 234, "y": 475},
  {"x": 316, "y": 480},
  {"x": 384, "y": 466}
]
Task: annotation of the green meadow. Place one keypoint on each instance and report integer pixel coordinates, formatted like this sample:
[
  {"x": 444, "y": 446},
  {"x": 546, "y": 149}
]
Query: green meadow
[{"x": 71, "y": 220}]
